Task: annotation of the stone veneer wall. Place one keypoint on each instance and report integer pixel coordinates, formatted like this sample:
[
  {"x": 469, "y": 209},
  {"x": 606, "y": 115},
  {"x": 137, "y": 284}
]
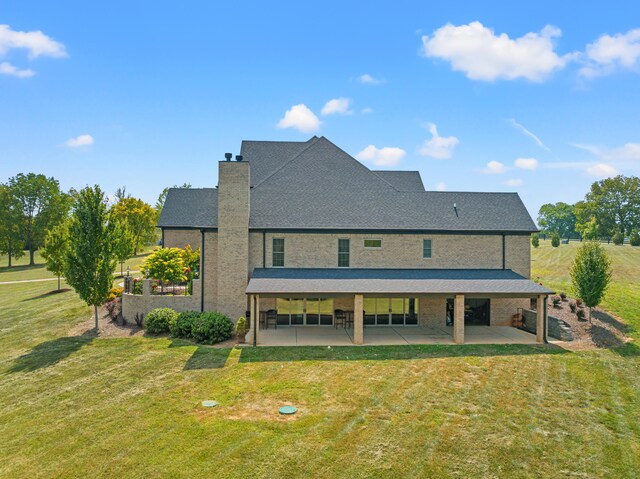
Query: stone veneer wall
[
  {"x": 141, "y": 304},
  {"x": 556, "y": 328}
]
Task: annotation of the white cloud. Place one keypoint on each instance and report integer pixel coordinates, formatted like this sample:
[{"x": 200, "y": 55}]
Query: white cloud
[
  {"x": 337, "y": 106},
  {"x": 9, "y": 69},
  {"x": 514, "y": 182},
  {"x": 369, "y": 80},
  {"x": 438, "y": 146},
  {"x": 78, "y": 141},
  {"x": 627, "y": 154},
  {"x": 528, "y": 133},
  {"x": 601, "y": 170},
  {"x": 610, "y": 53},
  {"x": 482, "y": 55},
  {"x": 442, "y": 186},
  {"x": 494, "y": 168},
  {"x": 387, "y": 156},
  {"x": 301, "y": 118},
  {"x": 36, "y": 42},
  {"x": 367, "y": 110},
  {"x": 526, "y": 163}
]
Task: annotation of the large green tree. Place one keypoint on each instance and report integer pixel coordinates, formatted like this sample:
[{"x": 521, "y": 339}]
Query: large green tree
[
  {"x": 43, "y": 206},
  {"x": 11, "y": 242},
  {"x": 55, "y": 249},
  {"x": 611, "y": 205},
  {"x": 141, "y": 219},
  {"x": 591, "y": 274},
  {"x": 557, "y": 218},
  {"x": 90, "y": 258}
]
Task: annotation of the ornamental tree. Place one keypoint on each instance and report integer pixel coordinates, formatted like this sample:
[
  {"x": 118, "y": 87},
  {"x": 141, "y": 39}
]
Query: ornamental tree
[
  {"x": 90, "y": 258},
  {"x": 591, "y": 274},
  {"x": 11, "y": 242},
  {"x": 166, "y": 265},
  {"x": 123, "y": 242},
  {"x": 56, "y": 246},
  {"x": 140, "y": 217}
]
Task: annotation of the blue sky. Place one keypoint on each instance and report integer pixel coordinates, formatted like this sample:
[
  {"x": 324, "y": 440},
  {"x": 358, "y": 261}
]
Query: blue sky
[{"x": 541, "y": 98}]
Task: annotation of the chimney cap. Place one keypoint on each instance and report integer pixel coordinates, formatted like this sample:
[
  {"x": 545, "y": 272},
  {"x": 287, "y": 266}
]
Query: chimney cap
[
  {"x": 228, "y": 156},
  {"x": 238, "y": 157}
]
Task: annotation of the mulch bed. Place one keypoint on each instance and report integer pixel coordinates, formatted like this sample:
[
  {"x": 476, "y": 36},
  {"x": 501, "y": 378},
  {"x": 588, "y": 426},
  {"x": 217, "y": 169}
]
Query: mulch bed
[{"x": 604, "y": 330}]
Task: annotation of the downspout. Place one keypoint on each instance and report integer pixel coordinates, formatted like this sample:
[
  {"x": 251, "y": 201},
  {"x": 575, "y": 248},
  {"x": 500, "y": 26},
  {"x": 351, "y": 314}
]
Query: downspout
[
  {"x": 504, "y": 252},
  {"x": 162, "y": 229},
  {"x": 202, "y": 272},
  {"x": 264, "y": 249}
]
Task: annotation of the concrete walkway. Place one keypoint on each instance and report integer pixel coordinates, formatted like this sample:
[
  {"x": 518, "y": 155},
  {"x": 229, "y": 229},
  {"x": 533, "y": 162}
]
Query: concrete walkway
[{"x": 378, "y": 336}]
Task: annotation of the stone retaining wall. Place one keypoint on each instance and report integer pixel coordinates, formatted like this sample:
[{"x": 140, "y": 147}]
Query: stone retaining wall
[
  {"x": 556, "y": 328},
  {"x": 141, "y": 304}
]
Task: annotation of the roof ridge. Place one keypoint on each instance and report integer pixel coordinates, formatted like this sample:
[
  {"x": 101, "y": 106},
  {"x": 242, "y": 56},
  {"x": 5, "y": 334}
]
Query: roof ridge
[{"x": 311, "y": 142}]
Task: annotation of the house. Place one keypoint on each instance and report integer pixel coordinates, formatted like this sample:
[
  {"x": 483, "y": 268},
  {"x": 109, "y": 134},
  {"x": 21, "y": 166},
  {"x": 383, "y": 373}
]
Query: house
[{"x": 302, "y": 229}]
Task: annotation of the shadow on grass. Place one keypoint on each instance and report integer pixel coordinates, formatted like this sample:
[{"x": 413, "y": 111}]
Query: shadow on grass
[
  {"x": 630, "y": 349},
  {"x": 51, "y": 352},
  {"x": 22, "y": 267},
  {"x": 383, "y": 353},
  {"x": 610, "y": 320},
  {"x": 46, "y": 295},
  {"x": 204, "y": 357}
]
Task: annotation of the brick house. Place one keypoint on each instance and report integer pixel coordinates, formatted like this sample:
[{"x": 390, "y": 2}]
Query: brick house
[{"x": 305, "y": 234}]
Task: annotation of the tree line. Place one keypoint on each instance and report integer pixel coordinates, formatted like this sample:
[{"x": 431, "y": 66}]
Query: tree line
[{"x": 610, "y": 211}]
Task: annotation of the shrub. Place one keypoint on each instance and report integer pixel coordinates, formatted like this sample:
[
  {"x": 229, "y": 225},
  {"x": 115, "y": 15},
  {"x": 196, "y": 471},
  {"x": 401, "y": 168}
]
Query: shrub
[
  {"x": 556, "y": 300},
  {"x": 166, "y": 264},
  {"x": 114, "y": 308},
  {"x": 579, "y": 303},
  {"x": 618, "y": 238},
  {"x": 184, "y": 323},
  {"x": 573, "y": 306},
  {"x": 581, "y": 314},
  {"x": 114, "y": 293},
  {"x": 211, "y": 328},
  {"x": 241, "y": 329},
  {"x": 634, "y": 239},
  {"x": 555, "y": 240},
  {"x": 137, "y": 286},
  {"x": 535, "y": 240},
  {"x": 159, "y": 320},
  {"x": 563, "y": 296}
]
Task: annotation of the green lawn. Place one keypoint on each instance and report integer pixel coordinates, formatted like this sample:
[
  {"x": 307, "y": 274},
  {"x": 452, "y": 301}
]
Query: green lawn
[{"x": 130, "y": 407}]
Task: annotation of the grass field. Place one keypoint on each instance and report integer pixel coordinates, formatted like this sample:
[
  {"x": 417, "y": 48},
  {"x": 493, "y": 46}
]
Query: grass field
[{"x": 130, "y": 407}]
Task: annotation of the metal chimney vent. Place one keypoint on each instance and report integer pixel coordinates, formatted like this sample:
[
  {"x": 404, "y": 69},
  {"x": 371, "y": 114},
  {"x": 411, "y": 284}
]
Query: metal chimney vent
[
  {"x": 238, "y": 157},
  {"x": 228, "y": 156}
]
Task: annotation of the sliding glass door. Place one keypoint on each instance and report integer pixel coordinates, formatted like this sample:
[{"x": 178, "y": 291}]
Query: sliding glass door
[
  {"x": 390, "y": 311},
  {"x": 305, "y": 311}
]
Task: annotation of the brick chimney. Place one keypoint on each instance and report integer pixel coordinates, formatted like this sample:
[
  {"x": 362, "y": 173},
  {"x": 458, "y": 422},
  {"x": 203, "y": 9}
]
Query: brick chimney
[{"x": 233, "y": 236}]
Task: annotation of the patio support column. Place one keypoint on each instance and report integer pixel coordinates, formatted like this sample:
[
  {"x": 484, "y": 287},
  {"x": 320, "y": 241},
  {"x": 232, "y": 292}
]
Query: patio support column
[
  {"x": 458, "y": 319},
  {"x": 541, "y": 306},
  {"x": 256, "y": 331},
  {"x": 358, "y": 319},
  {"x": 252, "y": 313}
]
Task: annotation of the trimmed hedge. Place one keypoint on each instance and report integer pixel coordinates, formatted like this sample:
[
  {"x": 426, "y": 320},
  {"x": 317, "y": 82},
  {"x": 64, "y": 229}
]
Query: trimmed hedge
[
  {"x": 182, "y": 327},
  {"x": 160, "y": 320},
  {"x": 211, "y": 328},
  {"x": 205, "y": 328}
]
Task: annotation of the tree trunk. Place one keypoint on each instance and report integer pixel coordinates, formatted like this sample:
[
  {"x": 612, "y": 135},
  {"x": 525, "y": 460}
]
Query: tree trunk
[
  {"x": 121, "y": 269},
  {"x": 58, "y": 282},
  {"x": 9, "y": 260},
  {"x": 32, "y": 253},
  {"x": 95, "y": 313},
  {"x": 589, "y": 314}
]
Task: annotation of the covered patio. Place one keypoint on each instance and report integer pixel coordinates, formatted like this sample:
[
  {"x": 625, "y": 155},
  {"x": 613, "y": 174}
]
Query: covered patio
[
  {"x": 391, "y": 307},
  {"x": 389, "y": 336}
]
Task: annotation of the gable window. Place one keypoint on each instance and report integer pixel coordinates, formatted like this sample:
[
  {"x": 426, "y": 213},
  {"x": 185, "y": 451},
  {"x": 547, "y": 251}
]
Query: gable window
[
  {"x": 426, "y": 248},
  {"x": 278, "y": 252},
  {"x": 343, "y": 253},
  {"x": 373, "y": 243}
]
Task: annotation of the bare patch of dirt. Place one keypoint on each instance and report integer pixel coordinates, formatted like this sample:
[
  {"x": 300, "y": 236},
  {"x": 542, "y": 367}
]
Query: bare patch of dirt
[{"x": 604, "y": 331}]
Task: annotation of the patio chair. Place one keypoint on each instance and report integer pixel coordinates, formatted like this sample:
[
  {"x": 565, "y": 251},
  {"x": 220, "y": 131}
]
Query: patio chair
[
  {"x": 272, "y": 317},
  {"x": 340, "y": 318}
]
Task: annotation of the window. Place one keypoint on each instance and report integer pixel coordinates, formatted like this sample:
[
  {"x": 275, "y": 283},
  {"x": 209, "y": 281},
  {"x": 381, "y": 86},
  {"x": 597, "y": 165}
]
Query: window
[
  {"x": 278, "y": 252},
  {"x": 373, "y": 243},
  {"x": 343, "y": 253},
  {"x": 426, "y": 248}
]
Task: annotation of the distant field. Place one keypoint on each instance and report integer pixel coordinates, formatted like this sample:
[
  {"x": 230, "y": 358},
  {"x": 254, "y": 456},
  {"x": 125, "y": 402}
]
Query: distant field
[
  {"x": 551, "y": 266},
  {"x": 21, "y": 269}
]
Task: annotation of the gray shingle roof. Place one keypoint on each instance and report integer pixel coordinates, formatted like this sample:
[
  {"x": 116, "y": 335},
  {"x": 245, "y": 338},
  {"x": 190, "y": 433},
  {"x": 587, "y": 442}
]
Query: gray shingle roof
[
  {"x": 319, "y": 186},
  {"x": 191, "y": 207},
  {"x": 402, "y": 180},
  {"x": 391, "y": 281}
]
